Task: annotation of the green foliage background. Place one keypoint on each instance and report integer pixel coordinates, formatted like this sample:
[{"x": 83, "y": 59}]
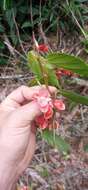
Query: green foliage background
[{"x": 52, "y": 14}]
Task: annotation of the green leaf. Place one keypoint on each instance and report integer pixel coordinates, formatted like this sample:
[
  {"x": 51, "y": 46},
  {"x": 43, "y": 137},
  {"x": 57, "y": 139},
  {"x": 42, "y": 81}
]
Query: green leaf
[
  {"x": 68, "y": 62},
  {"x": 23, "y": 9},
  {"x": 1, "y": 28},
  {"x": 7, "y": 4},
  {"x": 52, "y": 79},
  {"x": 75, "y": 97},
  {"x": 34, "y": 64},
  {"x": 2, "y": 45},
  {"x": 56, "y": 141},
  {"x": 26, "y": 25},
  {"x": 3, "y": 61}
]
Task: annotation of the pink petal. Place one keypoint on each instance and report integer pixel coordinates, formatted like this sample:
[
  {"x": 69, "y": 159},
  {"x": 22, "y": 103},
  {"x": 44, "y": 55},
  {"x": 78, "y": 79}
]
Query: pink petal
[
  {"x": 44, "y": 109},
  {"x": 24, "y": 188},
  {"x": 44, "y": 92},
  {"x": 49, "y": 113},
  {"x": 40, "y": 120},
  {"x": 44, "y": 126},
  {"x": 59, "y": 105},
  {"x": 44, "y": 103}
]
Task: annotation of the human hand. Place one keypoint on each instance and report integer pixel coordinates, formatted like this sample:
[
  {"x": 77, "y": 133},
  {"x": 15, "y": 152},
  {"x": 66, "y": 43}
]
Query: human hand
[{"x": 17, "y": 136}]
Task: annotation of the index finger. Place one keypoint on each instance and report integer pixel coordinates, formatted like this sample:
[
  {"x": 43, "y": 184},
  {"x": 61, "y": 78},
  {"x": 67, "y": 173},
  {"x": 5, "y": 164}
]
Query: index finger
[{"x": 22, "y": 94}]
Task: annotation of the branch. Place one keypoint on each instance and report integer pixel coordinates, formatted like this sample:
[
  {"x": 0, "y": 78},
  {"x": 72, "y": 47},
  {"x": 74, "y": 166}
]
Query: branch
[{"x": 16, "y": 77}]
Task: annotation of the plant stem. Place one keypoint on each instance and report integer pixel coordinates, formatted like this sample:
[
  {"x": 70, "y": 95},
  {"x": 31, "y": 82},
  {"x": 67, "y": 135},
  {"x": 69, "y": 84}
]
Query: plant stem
[{"x": 44, "y": 73}]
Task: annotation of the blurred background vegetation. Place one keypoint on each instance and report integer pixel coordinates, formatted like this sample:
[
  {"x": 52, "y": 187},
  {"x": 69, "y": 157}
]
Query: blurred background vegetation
[{"x": 19, "y": 18}]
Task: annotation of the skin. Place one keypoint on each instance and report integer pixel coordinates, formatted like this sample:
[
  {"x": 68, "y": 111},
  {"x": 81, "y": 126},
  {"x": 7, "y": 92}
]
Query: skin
[{"x": 17, "y": 134}]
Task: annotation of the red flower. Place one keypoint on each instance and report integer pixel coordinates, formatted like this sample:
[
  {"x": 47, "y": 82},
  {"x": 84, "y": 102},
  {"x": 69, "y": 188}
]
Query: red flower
[
  {"x": 46, "y": 104},
  {"x": 42, "y": 122},
  {"x": 63, "y": 72},
  {"x": 49, "y": 113},
  {"x": 59, "y": 105},
  {"x": 67, "y": 72},
  {"x": 43, "y": 48},
  {"x": 44, "y": 100}
]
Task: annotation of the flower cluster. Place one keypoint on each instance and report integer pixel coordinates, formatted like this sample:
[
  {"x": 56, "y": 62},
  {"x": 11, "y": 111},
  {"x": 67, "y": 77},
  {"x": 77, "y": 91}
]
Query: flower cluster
[
  {"x": 63, "y": 72},
  {"x": 48, "y": 106}
]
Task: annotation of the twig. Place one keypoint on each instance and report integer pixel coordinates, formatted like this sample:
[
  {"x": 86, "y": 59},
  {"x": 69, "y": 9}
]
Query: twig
[
  {"x": 42, "y": 34},
  {"x": 31, "y": 15},
  {"x": 40, "y": 26},
  {"x": 77, "y": 23},
  {"x": 74, "y": 47},
  {"x": 8, "y": 77},
  {"x": 79, "y": 52},
  {"x": 36, "y": 177},
  {"x": 72, "y": 114},
  {"x": 18, "y": 34},
  {"x": 12, "y": 49},
  {"x": 8, "y": 44},
  {"x": 58, "y": 33},
  {"x": 6, "y": 56},
  {"x": 80, "y": 82}
]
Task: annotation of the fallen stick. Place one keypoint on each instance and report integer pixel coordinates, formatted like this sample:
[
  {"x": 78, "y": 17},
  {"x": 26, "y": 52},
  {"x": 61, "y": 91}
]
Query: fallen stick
[{"x": 8, "y": 77}]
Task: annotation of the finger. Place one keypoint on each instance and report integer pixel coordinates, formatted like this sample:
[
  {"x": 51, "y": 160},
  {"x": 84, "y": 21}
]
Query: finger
[
  {"x": 29, "y": 153},
  {"x": 26, "y": 114},
  {"x": 23, "y": 93}
]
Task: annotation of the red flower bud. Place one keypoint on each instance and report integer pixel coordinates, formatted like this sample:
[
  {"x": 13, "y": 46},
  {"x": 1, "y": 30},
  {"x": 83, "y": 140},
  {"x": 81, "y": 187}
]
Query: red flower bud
[{"x": 43, "y": 48}]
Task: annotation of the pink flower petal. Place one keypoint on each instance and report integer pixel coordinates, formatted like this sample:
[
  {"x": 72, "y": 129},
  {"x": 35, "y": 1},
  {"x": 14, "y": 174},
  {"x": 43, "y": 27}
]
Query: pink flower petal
[
  {"x": 42, "y": 101},
  {"x": 59, "y": 105},
  {"x": 40, "y": 120},
  {"x": 44, "y": 92},
  {"x": 25, "y": 188},
  {"x": 49, "y": 113}
]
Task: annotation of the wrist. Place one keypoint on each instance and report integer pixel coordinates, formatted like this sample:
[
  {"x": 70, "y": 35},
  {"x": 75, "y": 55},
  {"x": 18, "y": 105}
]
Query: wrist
[{"x": 8, "y": 170}]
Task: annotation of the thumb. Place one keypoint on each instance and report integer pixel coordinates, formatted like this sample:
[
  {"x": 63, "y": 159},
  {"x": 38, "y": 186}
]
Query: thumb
[{"x": 27, "y": 113}]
